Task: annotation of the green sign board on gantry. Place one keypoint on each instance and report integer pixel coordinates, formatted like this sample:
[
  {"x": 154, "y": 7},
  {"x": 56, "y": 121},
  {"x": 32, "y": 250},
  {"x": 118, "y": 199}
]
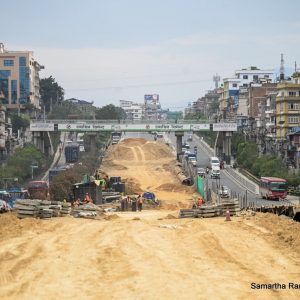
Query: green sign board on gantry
[{"x": 87, "y": 126}]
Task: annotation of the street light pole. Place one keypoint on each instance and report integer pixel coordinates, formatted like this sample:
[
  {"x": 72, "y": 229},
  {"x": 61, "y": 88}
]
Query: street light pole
[{"x": 33, "y": 167}]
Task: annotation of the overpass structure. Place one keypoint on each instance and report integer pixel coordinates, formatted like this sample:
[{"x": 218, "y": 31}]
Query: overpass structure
[{"x": 179, "y": 127}]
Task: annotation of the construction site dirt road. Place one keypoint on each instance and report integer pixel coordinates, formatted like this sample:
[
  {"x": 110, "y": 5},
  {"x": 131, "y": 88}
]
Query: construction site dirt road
[{"x": 149, "y": 254}]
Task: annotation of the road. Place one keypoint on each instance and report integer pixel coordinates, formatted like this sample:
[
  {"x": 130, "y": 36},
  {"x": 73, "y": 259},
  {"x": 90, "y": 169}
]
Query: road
[{"x": 235, "y": 186}]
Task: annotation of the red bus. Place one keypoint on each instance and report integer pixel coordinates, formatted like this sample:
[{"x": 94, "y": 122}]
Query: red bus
[
  {"x": 272, "y": 188},
  {"x": 38, "y": 189}
]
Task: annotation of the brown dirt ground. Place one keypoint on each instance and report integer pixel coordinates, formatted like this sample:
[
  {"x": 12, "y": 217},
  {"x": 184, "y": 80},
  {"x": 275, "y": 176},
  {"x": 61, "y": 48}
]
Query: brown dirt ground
[{"x": 149, "y": 254}]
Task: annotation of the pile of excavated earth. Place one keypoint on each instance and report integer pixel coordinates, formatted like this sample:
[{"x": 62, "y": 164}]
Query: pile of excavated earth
[{"x": 150, "y": 254}]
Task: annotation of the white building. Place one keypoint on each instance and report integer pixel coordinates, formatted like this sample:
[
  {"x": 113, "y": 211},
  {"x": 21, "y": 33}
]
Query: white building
[
  {"x": 134, "y": 111},
  {"x": 254, "y": 75}
]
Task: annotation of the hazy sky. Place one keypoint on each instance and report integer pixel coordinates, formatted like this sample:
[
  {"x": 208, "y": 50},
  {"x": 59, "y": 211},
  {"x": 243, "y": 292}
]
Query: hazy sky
[{"x": 104, "y": 51}]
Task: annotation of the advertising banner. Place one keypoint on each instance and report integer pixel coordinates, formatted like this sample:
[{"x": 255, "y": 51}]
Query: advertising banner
[
  {"x": 224, "y": 127},
  {"x": 151, "y": 97},
  {"x": 41, "y": 127}
]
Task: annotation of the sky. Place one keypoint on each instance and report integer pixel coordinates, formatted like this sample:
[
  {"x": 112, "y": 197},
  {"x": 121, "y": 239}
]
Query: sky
[{"x": 110, "y": 50}]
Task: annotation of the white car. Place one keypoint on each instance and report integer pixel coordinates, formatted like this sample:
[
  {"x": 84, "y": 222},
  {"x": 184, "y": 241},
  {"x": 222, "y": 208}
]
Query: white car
[
  {"x": 193, "y": 160},
  {"x": 201, "y": 172},
  {"x": 224, "y": 192}
]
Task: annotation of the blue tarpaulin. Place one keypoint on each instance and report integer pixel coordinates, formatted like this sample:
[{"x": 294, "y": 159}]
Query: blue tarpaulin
[{"x": 149, "y": 195}]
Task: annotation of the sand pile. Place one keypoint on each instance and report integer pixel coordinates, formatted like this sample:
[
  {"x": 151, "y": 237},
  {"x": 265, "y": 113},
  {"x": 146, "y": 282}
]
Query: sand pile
[{"x": 146, "y": 166}]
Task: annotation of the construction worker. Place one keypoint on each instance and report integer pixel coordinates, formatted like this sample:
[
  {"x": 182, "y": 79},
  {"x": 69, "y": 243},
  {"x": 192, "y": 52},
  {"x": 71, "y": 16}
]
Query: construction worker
[
  {"x": 97, "y": 175},
  {"x": 77, "y": 202},
  {"x": 200, "y": 202},
  {"x": 140, "y": 202},
  {"x": 87, "y": 199}
]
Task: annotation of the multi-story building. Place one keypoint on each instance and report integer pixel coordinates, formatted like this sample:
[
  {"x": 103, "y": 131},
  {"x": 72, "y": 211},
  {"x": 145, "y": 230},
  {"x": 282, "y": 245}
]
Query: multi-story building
[
  {"x": 230, "y": 100},
  {"x": 134, "y": 111},
  {"x": 288, "y": 106},
  {"x": 254, "y": 75},
  {"x": 19, "y": 78},
  {"x": 153, "y": 110}
]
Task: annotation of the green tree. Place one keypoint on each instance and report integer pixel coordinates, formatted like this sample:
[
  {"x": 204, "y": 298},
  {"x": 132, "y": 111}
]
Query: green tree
[
  {"x": 19, "y": 122},
  {"x": 247, "y": 154},
  {"x": 19, "y": 164},
  {"x": 63, "y": 110},
  {"x": 268, "y": 165},
  {"x": 110, "y": 112},
  {"x": 195, "y": 116},
  {"x": 237, "y": 138},
  {"x": 51, "y": 93}
]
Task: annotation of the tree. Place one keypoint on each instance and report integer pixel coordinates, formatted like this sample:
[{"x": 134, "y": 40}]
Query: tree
[
  {"x": 63, "y": 110},
  {"x": 19, "y": 164},
  {"x": 51, "y": 93},
  {"x": 110, "y": 112},
  {"x": 19, "y": 122},
  {"x": 247, "y": 154},
  {"x": 195, "y": 116}
]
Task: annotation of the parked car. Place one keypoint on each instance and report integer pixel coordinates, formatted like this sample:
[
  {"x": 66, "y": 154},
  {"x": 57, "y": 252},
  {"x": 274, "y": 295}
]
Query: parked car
[{"x": 224, "y": 192}]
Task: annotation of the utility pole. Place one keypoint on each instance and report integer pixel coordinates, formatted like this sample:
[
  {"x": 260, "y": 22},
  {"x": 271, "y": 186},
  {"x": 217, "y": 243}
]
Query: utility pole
[{"x": 281, "y": 68}]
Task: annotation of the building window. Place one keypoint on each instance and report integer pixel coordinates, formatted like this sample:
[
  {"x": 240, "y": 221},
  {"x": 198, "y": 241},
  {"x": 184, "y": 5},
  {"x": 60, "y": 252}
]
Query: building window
[
  {"x": 292, "y": 94},
  {"x": 234, "y": 85},
  {"x": 4, "y": 74},
  {"x": 293, "y": 106},
  {"x": 4, "y": 90},
  {"x": 22, "y": 61},
  {"x": 245, "y": 76},
  {"x": 8, "y": 62},
  {"x": 266, "y": 76},
  {"x": 293, "y": 119},
  {"x": 14, "y": 91},
  {"x": 255, "y": 77},
  {"x": 245, "y": 85}
]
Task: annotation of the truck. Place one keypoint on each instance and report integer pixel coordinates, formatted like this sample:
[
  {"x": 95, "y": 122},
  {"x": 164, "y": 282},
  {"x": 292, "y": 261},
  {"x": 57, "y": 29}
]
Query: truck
[
  {"x": 38, "y": 189},
  {"x": 72, "y": 152},
  {"x": 115, "y": 137}
]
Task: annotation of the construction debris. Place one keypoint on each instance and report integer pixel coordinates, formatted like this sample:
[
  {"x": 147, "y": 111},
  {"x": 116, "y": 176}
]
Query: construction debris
[
  {"x": 214, "y": 210},
  {"x": 42, "y": 209},
  {"x": 88, "y": 210}
]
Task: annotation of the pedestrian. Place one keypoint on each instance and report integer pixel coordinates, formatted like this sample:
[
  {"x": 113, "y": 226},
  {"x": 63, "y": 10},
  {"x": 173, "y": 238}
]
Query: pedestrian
[
  {"x": 140, "y": 202},
  {"x": 128, "y": 202},
  {"x": 123, "y": 201},
  {"x": 133, "y": 204}
]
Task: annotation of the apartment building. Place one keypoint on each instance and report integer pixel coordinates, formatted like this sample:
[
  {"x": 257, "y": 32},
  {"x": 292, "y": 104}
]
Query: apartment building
[
  {"x": 288, "y": 106},
  {"x": 19, "y": 78},
  {"x": 134, "y": 111},
  {"x": 233, "y": 87},
  {"x": 253, "y": 75}
]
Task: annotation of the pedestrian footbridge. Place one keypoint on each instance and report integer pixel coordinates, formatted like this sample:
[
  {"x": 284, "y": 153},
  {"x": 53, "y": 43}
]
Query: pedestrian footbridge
[
  {"x": 39, "y": 128},
  {"x": 128, "y": 126}
]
